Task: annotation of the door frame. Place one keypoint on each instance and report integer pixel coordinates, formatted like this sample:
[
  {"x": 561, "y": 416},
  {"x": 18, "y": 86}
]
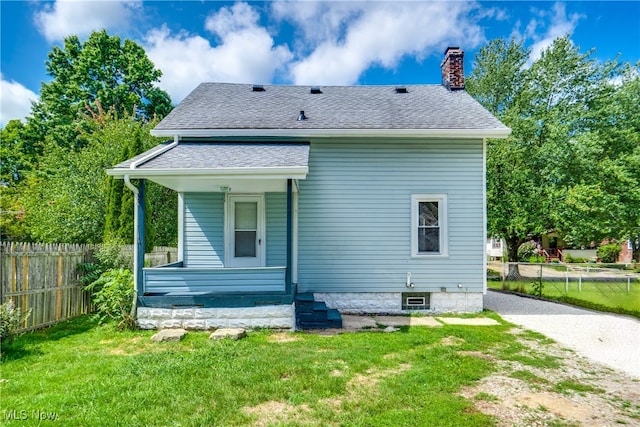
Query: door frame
[{"x": 229, "y": 229}]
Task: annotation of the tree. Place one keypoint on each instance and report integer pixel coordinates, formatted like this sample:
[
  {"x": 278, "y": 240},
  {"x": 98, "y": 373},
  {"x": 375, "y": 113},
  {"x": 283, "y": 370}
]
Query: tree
[
  {"x": 66, "y": 198},
  {"x": 16, "y": 157},
  {"x": 550, "y": 173},
  {"x": 497, "y": 82},
  {"x": 102, "y": 70},
  {"x": 605, "y": 204}
]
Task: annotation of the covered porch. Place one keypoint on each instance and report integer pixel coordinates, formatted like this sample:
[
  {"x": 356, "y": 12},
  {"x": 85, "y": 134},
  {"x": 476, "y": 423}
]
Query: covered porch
[{"x": 237, "y": 218}]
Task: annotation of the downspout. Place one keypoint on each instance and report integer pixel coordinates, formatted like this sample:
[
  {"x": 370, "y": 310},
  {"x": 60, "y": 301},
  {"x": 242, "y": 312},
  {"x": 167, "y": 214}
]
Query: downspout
[
  {"x": 136, "y": 280},
  {"x": 288, "y": 272},
  {"x": 138, "y": 245}
]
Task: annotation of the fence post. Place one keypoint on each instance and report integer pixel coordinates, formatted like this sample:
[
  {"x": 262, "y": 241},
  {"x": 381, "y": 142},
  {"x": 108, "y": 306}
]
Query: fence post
[
  {"x": 629, "y": 284},
  {"x": 59, "y": 292},
  {"x": 1, "y": 271},
  {"x": 580, "y": 283},
  {"x": 566, "y": 286},
  {"x": 25, "y": 281}
]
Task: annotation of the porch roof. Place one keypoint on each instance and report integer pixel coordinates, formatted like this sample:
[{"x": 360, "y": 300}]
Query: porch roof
[{"x": 200, "y": 166}]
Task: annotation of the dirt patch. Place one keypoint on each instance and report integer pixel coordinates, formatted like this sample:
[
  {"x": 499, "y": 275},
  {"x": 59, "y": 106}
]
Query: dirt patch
[
  {"x": 479, "y": 354},
  {"x": 451, "y": 341},
  {"x": 278, "y": 412},
  {"x": 361, "y": 386},
  {"x": 282, "y": 337},
  {"x": 578, "y": 393},
  {"x": 129, "y": 347}
]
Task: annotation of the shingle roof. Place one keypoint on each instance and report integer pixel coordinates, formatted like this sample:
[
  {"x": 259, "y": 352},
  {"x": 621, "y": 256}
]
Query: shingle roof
[
  {"x": 221, "y": 155},
  {"x": 236, "y": 106}
]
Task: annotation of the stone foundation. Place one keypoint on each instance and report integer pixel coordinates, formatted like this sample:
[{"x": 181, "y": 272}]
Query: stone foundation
[
  {"x": 391, "y": 302},
  {"x": 271, "y": 316}
]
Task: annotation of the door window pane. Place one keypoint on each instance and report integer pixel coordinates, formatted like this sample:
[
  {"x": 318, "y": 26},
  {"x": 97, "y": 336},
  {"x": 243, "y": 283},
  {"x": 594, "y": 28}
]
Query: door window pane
[
  {"x": 245, "y": 244},
  {"x": 246, "y": 226},
  {"x": 246, "y": 215}
]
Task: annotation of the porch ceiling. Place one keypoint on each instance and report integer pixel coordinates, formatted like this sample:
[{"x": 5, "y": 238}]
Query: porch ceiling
[{"x": 219, "y": 166}]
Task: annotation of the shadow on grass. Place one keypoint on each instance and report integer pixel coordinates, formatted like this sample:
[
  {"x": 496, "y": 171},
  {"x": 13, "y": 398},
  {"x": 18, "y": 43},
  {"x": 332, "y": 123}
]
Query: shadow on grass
[{"x": 28, "y": 343}]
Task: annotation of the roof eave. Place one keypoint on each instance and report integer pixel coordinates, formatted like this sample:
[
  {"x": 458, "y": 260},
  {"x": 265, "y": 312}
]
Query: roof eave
[
  {"x": 502, "y": 132},
  {"x": 293, "y": 172}
]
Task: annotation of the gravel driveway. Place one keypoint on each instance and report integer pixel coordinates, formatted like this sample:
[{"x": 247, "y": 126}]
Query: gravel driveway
[{"x": 606, "y": 338}]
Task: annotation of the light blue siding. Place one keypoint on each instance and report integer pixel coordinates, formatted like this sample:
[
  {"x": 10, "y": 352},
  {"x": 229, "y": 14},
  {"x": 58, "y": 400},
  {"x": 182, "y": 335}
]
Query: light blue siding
[
  {"x": 355, "y": 216},
  {"x": 276, "y": 233},
  {"x": 203, "y": 230},
  {"x": 215, "y": 280}
]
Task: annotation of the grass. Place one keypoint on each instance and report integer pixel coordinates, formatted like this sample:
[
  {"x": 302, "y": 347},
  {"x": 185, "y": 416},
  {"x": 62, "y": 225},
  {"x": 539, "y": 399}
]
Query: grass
[
  {"x": 529, "y": 377},
  {"x": 89, "y": 374},
  {"x": 573, "y": 386},
  {"x": 603, "y": 296}
]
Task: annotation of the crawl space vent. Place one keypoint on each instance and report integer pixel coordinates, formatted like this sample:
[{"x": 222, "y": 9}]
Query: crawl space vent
[{"x": 415, "y": 300}]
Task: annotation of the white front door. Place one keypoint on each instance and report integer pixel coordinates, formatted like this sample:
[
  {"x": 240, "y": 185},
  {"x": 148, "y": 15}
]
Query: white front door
[{"x": 245, "y": 231}]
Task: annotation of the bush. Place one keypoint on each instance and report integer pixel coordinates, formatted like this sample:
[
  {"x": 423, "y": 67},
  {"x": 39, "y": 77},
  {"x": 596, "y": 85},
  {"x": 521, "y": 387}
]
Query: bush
[
  {"x": 609, "y": 253},
  {"x": 113, "y": 295},
  {"x": 528, "y": 250},
  {"x": 108, "y": 256},
  {"x": 10, "y": 319},
  {"x": 537, "y": 259},
  {"x": 576, "y": 260}
]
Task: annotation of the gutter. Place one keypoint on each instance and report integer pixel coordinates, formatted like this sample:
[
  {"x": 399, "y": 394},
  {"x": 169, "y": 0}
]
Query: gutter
[
  {"x": 134, "y": 165},
  {"x": 221, "y": 172}
]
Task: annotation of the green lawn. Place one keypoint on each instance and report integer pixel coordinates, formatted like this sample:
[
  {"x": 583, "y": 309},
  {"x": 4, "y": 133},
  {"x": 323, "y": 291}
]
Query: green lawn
[
  {"x": 88, "y": 374},
  {"x": 604, "y": 296}
]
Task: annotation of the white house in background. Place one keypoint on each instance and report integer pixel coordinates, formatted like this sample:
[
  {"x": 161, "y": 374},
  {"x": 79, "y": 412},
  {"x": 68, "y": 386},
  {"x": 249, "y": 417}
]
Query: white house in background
[
  {"x": 369, "y": 198},
  {"x": 495, "y": 248}
]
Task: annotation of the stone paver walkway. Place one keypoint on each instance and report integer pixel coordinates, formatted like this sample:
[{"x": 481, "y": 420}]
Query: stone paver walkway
[{"x": 359, "y": 322}]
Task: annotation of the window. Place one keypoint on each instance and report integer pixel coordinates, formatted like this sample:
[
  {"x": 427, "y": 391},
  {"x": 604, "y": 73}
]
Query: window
[{"x": 429, "y": 225}]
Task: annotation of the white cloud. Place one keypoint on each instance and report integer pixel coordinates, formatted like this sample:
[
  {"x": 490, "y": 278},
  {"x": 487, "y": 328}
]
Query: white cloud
[
  {"x": 245, "y": 54},
  {"x": 345, "y": 39},
  {"x": 15, "y": 100},
  {"x": 559, "y": 25},
  {"x": 81, "y": 17}
]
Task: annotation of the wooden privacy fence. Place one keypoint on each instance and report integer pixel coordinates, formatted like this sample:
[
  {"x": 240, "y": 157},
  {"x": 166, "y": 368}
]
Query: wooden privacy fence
[{"x": 44, "y": 279}]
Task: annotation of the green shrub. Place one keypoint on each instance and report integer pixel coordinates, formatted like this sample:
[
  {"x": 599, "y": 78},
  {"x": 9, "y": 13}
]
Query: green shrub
[
  {"x": 108, "y": 256},
  {"x": 528, "y": 250},
  {"x": 609, "y": 253},
  {"x": 10, "y": 319},
  {"x": 112, "y": 295},
  {"x": 537, "y": 259},
  {"x": 576, "y": 260}
]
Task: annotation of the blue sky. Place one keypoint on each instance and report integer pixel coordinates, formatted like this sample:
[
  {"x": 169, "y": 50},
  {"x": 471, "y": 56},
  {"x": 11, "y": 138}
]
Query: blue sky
[{"x": 300, "y": 42}]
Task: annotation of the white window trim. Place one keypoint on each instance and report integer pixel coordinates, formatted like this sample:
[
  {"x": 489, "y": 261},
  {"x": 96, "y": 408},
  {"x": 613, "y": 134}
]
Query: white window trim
[{"x": 442, "y": 219}]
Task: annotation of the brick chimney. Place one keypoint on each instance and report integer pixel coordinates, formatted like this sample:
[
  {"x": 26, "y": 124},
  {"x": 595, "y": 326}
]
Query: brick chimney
[{"x": 453, "y": 69}]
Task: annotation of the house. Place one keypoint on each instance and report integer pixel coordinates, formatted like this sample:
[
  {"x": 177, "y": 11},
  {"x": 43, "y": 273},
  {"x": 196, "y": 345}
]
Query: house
[
  {"x": 495, "y": 248},
  {"x": 359, "y": 199}
]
